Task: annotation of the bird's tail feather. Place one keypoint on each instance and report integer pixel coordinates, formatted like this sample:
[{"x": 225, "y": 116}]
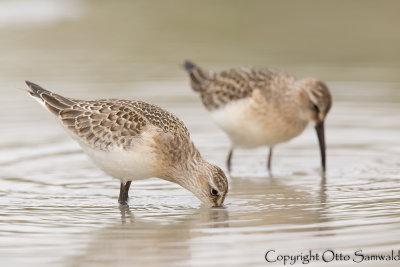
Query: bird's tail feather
[
  {"x": 53, "y": 102},
  {"x": 198, "y": 77}
]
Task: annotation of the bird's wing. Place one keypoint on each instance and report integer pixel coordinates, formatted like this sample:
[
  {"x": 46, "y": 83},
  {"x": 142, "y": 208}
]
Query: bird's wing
[
  {"x": 105, "y": 123},
  {"x": 218, "y": 89}
]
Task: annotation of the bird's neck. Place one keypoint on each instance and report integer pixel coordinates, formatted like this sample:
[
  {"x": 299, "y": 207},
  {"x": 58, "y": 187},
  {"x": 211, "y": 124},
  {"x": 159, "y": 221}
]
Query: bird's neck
[{"x": 189, "y": 166}]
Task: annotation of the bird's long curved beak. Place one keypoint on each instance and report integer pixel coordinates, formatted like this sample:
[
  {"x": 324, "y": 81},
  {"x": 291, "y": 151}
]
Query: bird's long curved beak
[{"x": 319, "y": 128}]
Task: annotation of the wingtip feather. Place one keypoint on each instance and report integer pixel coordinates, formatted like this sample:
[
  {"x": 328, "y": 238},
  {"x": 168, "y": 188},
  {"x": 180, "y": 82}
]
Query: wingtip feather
[{"x": 189, "y": 66}]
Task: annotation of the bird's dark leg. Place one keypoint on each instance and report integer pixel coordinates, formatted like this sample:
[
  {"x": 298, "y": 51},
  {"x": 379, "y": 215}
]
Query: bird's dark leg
[
  {"x": 270, "y": 159},
  {"x": 123, "y": 192},
  {"x": 228, "y": 161}
]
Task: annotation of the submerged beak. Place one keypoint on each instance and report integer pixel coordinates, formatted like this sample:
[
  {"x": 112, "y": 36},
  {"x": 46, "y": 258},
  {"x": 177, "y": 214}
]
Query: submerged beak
[
  {"x": 319, "y": 127},
  {"x": 219, "y": 204}
]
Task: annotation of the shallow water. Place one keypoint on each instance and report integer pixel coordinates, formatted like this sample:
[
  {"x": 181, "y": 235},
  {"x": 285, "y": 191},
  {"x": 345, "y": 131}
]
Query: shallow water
[{"x": 58, "y": 209}]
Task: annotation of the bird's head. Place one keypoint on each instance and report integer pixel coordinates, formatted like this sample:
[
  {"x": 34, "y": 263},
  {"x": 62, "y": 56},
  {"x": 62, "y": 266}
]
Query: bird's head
[
  {"x": 315, "y": 98},
  {"x": 208, "y": 183},
  {"x": 316, "y": 101}
]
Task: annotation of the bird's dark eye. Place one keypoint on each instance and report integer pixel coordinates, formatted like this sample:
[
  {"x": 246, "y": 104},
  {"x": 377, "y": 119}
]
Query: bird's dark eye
[
  {"x": 315, "y": 108},
  {"x": 214, "y": 192}
]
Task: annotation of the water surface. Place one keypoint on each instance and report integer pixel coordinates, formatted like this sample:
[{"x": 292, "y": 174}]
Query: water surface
[{"x": 58, "y": 209}]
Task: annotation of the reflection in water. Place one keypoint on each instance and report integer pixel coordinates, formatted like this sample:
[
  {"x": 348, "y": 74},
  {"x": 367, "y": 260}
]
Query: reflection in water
[
  {"x": 217, "y": 217},
  {"x": 126, "y": 215},
  {"x": 190, "y": 237},
  {"x": 273, "y": 201},
  {"x": 323, "y": 208},
  {"x": 143, "y": 241},
  {"x": 323, "y": 196}
]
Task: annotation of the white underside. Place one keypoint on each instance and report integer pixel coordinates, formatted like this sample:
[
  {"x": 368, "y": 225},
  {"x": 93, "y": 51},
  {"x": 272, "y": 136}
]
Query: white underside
[
  {"x": 135, "y": 164},
  {"x": 250, "y": 127}
]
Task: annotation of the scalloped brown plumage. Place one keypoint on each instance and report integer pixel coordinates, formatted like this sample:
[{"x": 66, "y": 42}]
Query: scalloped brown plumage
[
  {"x": 259, "y": 107},
  {"x": 133, "y": 140}
]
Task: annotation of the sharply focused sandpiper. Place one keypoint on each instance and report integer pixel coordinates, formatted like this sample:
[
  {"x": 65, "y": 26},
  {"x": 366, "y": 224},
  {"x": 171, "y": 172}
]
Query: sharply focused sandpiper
[
  {"x": 133, "y": 140},
  {"x": 259, "y": 107}
]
